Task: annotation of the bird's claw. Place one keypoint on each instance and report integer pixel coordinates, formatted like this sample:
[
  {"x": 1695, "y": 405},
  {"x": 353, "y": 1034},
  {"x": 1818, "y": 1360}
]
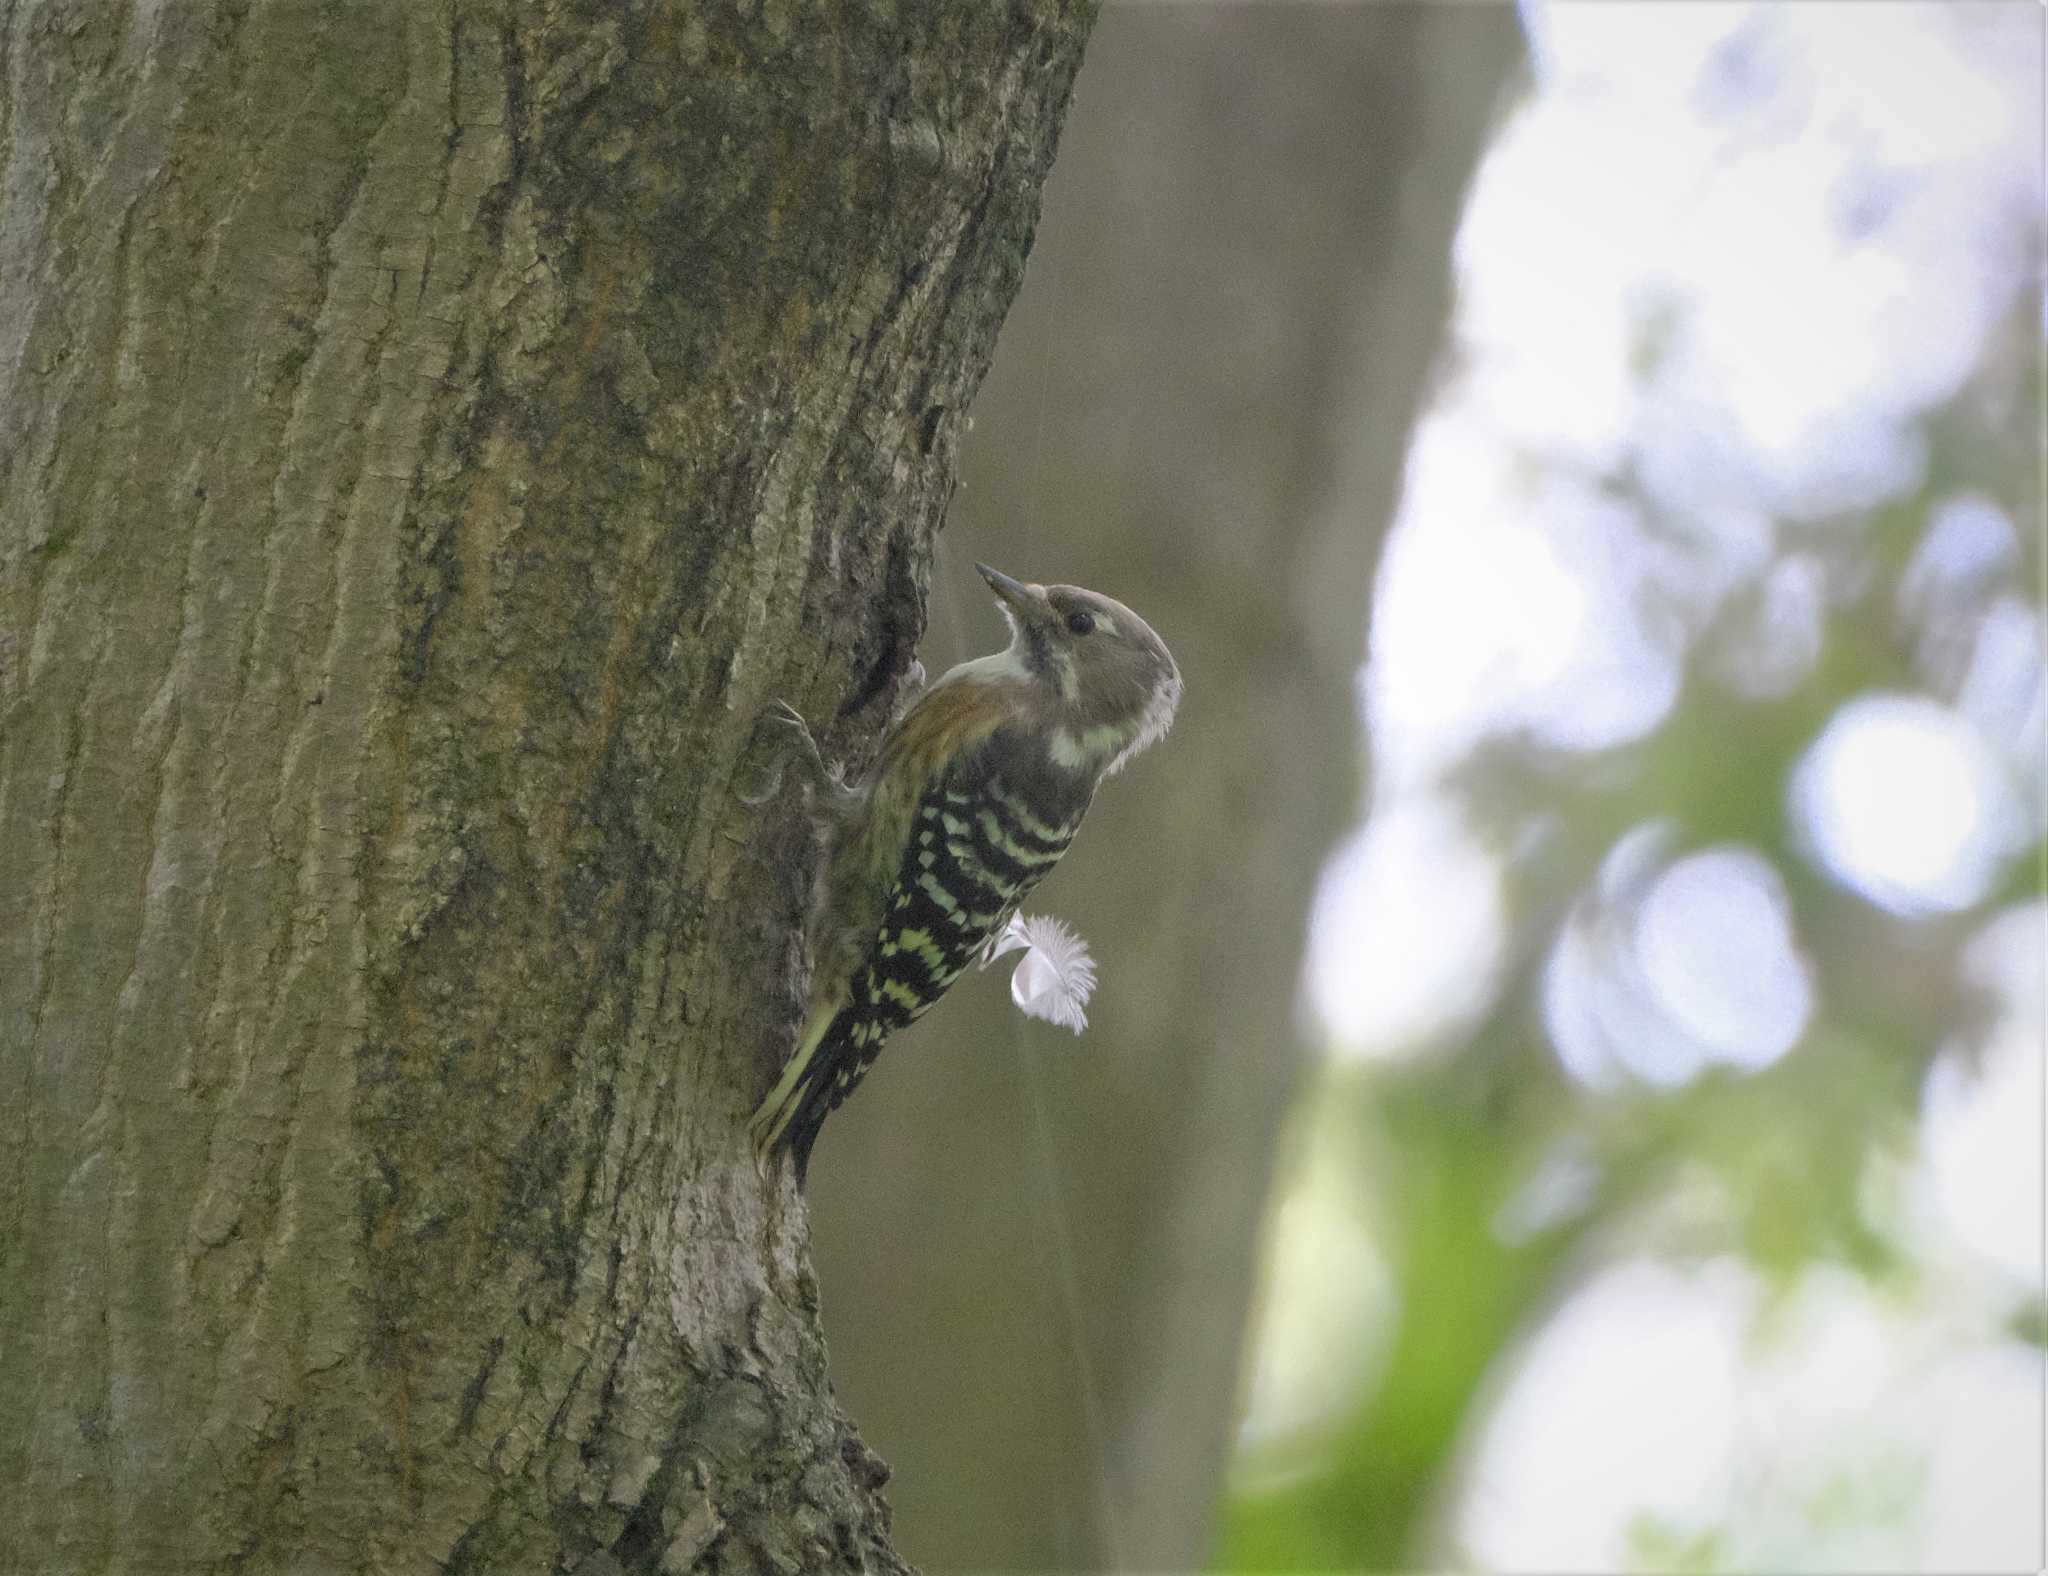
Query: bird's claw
[
  {"x": 782, "y": 716},
  {"x": 796, "y": 741}
]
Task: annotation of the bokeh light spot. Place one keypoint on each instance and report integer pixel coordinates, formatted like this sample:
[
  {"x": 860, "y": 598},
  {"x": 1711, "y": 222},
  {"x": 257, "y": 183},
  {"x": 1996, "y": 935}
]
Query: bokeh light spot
[
  {"x": 1903, "y": 803},
  {"x": 1405, "y": 935},
  {"x": 1714, "y": 938}
]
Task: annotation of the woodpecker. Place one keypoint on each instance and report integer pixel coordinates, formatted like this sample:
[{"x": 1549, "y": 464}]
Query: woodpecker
[{"x": 975, "y": 793}]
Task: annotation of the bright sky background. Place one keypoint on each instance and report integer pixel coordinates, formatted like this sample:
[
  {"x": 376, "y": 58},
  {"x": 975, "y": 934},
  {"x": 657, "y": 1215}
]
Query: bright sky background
[{"x": 1809, "y": 215}]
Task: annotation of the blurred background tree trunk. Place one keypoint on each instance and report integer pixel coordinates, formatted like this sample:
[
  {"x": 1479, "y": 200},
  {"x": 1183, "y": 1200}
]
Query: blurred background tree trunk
[
  {"x": 1038, "y": 1254},
  {"x": 430, "y": 433}
]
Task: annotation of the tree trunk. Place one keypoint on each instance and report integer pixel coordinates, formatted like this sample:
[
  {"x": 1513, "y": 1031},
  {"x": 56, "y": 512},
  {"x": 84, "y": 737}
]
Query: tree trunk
[{"x": 430, "y": 434}]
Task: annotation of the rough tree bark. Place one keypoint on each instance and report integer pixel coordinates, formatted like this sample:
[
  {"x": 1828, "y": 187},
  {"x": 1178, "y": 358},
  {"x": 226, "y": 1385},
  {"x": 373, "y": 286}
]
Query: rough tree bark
[{"x": 430, "y": 433}]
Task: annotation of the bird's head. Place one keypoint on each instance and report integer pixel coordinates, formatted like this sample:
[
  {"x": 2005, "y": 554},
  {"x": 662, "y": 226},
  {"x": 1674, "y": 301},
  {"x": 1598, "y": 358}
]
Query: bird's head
[{"x": 1107, "y": 683}]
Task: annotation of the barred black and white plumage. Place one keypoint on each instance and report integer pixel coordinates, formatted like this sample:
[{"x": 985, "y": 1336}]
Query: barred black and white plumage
[{"x": 976, "y": 793}]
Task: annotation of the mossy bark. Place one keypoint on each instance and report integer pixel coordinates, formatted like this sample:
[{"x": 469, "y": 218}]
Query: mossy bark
[{"x": 430, "y": 434}]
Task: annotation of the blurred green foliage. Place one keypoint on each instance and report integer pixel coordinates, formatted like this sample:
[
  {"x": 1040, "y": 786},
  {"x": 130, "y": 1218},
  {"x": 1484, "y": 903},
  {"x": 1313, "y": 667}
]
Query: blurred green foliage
[{"x": 1442, "y": 1144}]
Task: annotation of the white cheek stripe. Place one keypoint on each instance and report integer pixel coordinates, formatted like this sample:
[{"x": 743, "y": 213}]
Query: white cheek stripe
[
  {"x": 1075, "y": 751},
  {"x": 1070, "y": 683}
]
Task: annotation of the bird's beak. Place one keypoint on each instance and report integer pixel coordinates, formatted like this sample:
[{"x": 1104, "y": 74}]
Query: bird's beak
[{"x": 1026, "y": 601}]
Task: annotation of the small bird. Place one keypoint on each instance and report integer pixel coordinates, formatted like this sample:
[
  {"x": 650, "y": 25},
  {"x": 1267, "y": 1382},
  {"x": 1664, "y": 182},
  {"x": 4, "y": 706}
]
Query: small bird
[{"x": 975, "y": 793}]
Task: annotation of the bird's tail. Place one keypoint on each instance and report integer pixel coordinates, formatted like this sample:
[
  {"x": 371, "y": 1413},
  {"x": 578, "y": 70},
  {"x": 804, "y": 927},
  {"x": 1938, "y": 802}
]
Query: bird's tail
[{"x": 789, "y": 1118}]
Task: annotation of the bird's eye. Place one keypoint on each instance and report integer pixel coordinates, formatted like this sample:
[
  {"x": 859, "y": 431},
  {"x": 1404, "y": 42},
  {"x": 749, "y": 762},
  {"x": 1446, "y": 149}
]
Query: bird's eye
[{"x": 1080, "y": 622}]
